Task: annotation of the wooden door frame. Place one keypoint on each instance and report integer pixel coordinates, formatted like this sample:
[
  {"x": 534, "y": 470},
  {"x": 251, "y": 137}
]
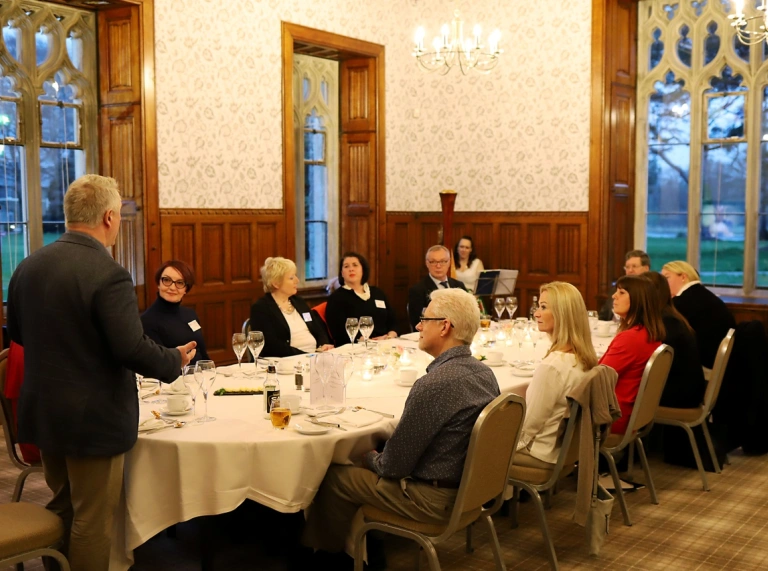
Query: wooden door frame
[{"x": 345, "y": 48}]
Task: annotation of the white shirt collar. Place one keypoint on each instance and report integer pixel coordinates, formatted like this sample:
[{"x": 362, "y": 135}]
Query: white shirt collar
[
  {"x": 686, "y": 286},
  {"x": 437, "y": 281}
]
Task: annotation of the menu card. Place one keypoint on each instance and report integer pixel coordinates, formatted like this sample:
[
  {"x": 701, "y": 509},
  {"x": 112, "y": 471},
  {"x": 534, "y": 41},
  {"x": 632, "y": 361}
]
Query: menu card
[{"x": 333, "y": 368}]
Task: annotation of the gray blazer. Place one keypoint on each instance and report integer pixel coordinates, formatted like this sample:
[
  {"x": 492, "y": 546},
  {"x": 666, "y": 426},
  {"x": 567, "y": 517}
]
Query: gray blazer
[{"x": 73, "y": 309}]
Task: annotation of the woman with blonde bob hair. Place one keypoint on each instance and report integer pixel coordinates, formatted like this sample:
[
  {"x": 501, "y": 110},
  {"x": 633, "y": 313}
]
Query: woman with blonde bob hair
[
  {"x": 290, "y": 327},
  {"x": 707, "y": 314},
  {"x": 562, "y": 315}
]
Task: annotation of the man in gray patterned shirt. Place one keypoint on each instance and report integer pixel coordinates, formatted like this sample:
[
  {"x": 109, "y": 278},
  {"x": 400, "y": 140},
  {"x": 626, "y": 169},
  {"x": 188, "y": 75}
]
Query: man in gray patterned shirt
[{"x": 418, "y": 473}]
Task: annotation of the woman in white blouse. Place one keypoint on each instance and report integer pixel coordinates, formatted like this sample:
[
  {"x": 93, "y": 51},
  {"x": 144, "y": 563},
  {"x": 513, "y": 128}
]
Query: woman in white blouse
[
  {"x": 290, "y": 327},
  {"x": 468, "y": 266},
  {"x": 562, "y": 314}
]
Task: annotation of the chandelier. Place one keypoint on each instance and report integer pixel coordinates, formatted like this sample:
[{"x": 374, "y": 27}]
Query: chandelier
[
  {"x": 739, "y": 22},
  {"x": 451, "y": 48}
]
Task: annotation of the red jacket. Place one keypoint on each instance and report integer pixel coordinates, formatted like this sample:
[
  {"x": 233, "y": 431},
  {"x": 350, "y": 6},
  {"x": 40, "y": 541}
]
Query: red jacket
[
  {"x": 628, "y": 354},
  {"x": 14, "y": 377}
]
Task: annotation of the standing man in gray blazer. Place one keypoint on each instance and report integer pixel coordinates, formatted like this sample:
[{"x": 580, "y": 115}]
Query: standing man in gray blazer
[{"x": 73, "y": 309}]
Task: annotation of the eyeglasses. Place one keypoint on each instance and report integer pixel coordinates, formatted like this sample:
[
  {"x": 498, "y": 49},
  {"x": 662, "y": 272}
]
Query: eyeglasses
[
  {"x": 167, "y": 282},
  {"x": 628, "y": 267},
  {"x": 437, "y": 262},
  {"x": 423, "y": 319}
]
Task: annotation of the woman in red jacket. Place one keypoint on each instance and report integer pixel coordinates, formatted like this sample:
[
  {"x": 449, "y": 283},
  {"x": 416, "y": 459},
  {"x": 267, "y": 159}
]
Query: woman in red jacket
[{"x": 641, "y": 331}]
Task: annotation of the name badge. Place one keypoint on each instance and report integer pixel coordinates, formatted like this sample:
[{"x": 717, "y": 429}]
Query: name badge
[
  {"x": 307, "y": 317},
  {"x": 194, "y": 325},
  {"x": 380, "y": 304}
]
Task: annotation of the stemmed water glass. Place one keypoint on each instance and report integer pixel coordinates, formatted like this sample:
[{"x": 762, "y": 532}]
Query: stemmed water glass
[
  {"x": 238, "y": 346},
  {"x": 188, "y": 375},
  {"x": 205, "y": 375},
  {"x": 499, "y": 306},
  {"x": 520, "y": 330},
  {"x": 352, "y": 326},
  {"x": 349, "y": 369},
  {"x": 324, "y": 365},
  {"x": 255, "y": 345},
  {"x": 511, "y": 304},
  {"x": 593, "y": 318},
  {"x": 366, "y": 328}
]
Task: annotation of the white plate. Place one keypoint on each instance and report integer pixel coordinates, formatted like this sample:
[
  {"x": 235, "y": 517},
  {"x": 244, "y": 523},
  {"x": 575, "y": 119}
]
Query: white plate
[
  {"x": 165, "y": 410},
  {"x": 404, "y": 383},
  {"x": 609, "y": 334},
  {"x": 521, "y": 372},
  {"x": 310, "y": 428},
  {"x": 499, "y": 364}
]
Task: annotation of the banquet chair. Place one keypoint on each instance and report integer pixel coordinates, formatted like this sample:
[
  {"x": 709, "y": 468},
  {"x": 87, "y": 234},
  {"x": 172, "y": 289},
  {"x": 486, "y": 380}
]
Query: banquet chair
[
  {"x": 9, "y": 429},
  {"x": 640, "y": 422},
  {"x": 484, "y": 479},
  {"x": 689, "y": 418},
  {"x": 543, "y": 479},
  {"x": 29, "y": 531}
]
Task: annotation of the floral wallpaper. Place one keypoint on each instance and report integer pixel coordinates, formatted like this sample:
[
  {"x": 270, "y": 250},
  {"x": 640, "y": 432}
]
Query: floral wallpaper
[{"x": 516, "y": 139}]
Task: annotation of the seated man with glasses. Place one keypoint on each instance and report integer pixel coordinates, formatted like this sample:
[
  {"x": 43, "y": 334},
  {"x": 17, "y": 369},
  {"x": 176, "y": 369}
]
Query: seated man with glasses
[
  {"x": 438, "y": 262},
  {"x": 166, "y": 322},
  {"x": 636, "y": 262},
  {"x": 419, "y": 470}
]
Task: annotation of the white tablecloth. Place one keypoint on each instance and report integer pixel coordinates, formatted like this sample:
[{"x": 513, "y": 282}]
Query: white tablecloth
[{"x": 178, "y": 474}]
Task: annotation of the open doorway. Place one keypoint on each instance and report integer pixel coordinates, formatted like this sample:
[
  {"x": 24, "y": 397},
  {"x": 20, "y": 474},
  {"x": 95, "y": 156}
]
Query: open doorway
[{"x": 346, "y": 148}]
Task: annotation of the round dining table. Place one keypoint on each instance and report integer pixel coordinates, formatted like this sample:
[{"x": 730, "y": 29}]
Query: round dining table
[{"x": 176, "y": 474}]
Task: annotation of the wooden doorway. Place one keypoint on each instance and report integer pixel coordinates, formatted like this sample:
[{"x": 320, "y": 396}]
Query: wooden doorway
[{"x": 362, "y": 194}]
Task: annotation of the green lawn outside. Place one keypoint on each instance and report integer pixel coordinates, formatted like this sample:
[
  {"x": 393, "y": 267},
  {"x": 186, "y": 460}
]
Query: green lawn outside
[{"x": 12, "y": 249}]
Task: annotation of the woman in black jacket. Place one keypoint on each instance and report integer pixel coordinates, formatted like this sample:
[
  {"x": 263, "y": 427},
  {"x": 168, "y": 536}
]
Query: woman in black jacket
[
  {"x": 288, "y": 325},
  {"x": 685, "y": 384},
  {"x": 356, "y": 298}
]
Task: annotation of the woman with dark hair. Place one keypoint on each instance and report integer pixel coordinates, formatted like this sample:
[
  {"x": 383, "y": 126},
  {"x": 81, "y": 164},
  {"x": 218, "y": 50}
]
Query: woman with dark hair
[
  {"x": 356, "y": 298},
  {"x": 641, "y": 331},
  {"x": 166, "y": 321},
  {"x": 468, "y": 265},
  {"x": 685, "y": 384}
]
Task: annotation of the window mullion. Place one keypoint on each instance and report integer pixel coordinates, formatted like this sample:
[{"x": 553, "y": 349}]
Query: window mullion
[
  {"x": 698, "y": 124},
  {"x": 752, "y": 198}
]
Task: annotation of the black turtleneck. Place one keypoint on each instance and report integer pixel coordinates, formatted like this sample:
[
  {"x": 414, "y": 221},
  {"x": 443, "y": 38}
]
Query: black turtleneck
[{"x": 167, "y": 324}]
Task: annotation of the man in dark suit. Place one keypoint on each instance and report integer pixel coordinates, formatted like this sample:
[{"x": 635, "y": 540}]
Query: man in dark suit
[
  {"x": 636, "y": 262},
  {"x": 73, "y": 309},
  {"x": 438, "y": 260}
]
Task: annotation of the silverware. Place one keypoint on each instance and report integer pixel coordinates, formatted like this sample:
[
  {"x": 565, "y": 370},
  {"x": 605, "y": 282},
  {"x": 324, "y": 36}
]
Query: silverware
[
  {"x": 331, "y": 424},
  {"x": 384, "y": 414},
  {"x": 175, "y": 424},
  {"x": 331, "y": 412},
  {"x": 153, "y": 393}
]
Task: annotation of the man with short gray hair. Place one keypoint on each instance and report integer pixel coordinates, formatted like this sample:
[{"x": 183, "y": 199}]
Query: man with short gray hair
[
  {"x": 73, "y": 309},
  {"x": 419, "y": 470},
  {"x": 438, "y": 262}
]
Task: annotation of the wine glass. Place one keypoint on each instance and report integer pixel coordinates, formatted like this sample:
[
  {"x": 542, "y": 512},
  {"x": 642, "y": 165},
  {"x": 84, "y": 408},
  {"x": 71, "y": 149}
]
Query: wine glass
[
  {"x": 205, "y": 375},
  {"x": 255, "y": 345},
  {"x": 520, "y": 330},
  {"x": 366, "y": 328},
  {"x": 188, "y": 374},
  {"x": 499, "y": 306},
  {"x": 593, "y": 318},
  {"x": 349, "y": 369},
  {"x": 324, "y": 364},
  {"x": 238, "y": 346},
  {"x": 352, "y": 326},
  {"x": 511, "y": 303}
]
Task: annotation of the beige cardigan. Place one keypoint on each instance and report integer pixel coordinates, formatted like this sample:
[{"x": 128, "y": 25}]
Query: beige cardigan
[{"x": 597, "y": 398}]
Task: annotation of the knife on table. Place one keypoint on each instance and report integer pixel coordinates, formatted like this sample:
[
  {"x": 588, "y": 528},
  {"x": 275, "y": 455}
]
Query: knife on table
[{"x": 331, "y": 424}]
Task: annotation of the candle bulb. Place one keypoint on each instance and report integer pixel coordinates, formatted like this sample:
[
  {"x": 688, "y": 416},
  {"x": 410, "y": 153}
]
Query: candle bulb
[
  {"x": 476, "y": 31},
  {"x": 445, "y": 30},
  {"x": 739, "y": 8},
  {"x": 420, "y": 39}
]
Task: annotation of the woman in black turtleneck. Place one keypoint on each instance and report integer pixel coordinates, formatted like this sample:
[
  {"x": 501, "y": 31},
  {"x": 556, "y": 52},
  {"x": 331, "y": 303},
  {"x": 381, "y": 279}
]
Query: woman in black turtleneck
[{"x": 167, "y": 322}]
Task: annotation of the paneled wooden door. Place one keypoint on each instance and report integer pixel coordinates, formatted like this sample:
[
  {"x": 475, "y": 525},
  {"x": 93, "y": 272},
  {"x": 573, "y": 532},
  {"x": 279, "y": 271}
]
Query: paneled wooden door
[{"x": 359, "y": 189}]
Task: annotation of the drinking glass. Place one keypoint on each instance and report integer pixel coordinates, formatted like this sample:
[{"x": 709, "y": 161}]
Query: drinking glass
[
  {"x": 366, "y": 328},
  {"x": 352, "y": 326},
  {"x": 499, "y": 306},
  {"x": 511, "y": 303},
  {"x": 324, "y": 365},
  {"x": 278, "y": 414},
  {"x": 593, "y": 319},
  {"x": 188, "y": 374},
  {"x": 520, "y": 330},
  {"x": 238, "y": 346},
  {"x": 205, "y": 375},
  {"x": 485, "y": 322},
  {"x": 349, "y": 369},
  {"x": 255, "y": 345}
]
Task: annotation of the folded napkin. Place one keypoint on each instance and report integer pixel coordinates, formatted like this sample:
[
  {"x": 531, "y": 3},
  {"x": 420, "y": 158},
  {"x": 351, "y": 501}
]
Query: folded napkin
[
  {"x": 150, "y": 424},
  {"x": 351, "y": 418},
  {"x": 177, "y": 387}
]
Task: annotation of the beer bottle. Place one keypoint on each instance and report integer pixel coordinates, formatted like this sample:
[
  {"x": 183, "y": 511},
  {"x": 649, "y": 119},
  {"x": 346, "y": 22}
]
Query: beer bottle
[
  {"x": 534, "y": 307},
  {"x": 271, "y": 387}
]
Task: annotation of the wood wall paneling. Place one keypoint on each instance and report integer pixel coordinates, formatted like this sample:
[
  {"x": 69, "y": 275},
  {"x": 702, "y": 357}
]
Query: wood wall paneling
[
  {"x": 358, "y": 88},
  {"x": 240, "y": 267},
  {"x": 121, "y": 149},
  {"x": 538, "y": 245},
  {"x": 119, "y": 64}
]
